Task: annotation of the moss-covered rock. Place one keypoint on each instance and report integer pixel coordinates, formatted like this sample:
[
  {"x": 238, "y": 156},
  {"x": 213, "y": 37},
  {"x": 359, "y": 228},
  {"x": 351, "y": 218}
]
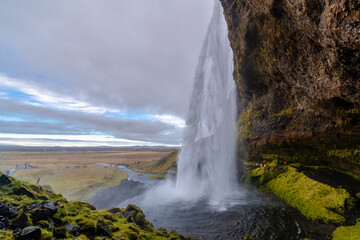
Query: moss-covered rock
[
  {"x": 347, "y": 233},
  {"x": 74, "y": 219},
  {"x": 315, "y": 200}
]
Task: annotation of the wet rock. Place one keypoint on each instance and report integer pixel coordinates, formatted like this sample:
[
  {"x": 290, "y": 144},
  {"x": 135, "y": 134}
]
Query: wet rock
[
  {"x": 129, "y": 219},
  {"x": 21, "y": 220},
  {"x": 88, "y": 229},
  {"x": 30, "y": 233},
  {"x": 3, "y": 222},
  {"x": 40, "y": 214},
  {"x": 7, "y": 212},
  {"x": 24, "y": 191},
  {"x": 102, "y": 229},
  {"x": 43, "y": 210},
  {"x": 57, "y": 221},
  {"x": 132, "y": 207},
  {"x": 4, "y": 180},
  {"x": 50, "y": 207},
  {"x": 72, "y": 228},
  {"x": 59, "y": 232}
]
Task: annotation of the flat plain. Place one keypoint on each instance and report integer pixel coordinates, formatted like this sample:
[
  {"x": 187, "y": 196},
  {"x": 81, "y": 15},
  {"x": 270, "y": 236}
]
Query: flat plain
[{"x": 76, "y": 174}]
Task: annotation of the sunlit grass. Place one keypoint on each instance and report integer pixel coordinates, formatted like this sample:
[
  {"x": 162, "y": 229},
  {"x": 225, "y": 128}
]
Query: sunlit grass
[{"x": 75, "y": 183}]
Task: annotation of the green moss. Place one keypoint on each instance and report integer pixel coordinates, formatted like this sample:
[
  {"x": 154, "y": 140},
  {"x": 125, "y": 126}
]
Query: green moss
[
  {"x": 244, "y": 123},
  {"x": 316, "y": 201},
  {"x": 347, "y": 233},
  {"x": 262, "y": 175},
  {"x": 6, "y": 235},
  {"x": 286, "y": 111},
  {"x": 349, "y": 155},
  {"x": 358, "y": 195},
  {"x": 46, "y": 234}
]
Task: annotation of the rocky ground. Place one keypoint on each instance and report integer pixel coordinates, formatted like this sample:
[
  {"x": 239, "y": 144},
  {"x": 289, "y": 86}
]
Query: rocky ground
[{"x": 30, "y": 212}]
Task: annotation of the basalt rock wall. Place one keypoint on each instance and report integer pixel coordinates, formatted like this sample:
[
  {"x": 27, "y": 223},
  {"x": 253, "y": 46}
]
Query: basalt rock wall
[{"x": 297, "y": 69}]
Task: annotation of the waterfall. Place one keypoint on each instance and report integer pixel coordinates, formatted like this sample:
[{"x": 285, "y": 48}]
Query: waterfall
[{"x": 206, "y": 163}]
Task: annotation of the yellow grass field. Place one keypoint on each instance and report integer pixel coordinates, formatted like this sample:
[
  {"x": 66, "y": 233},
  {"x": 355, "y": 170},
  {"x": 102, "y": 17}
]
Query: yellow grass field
[{"x": 75, "y": 174}]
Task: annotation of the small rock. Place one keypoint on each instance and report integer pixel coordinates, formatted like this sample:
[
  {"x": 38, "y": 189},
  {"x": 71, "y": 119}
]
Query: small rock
[
  {"x": 72, "y": 228},
  {"x": 30, "y": 233},
  {"x": 7, "y": 212},
  {"x": 59, "y": 232},
  {"x": 57, "y": 221},
  {"x": 88, "y": 229},
  {"x": 21, "y": 220},
  {"x": 40, "y": 214},
  {"x": 50, "y": 207},
  {"x": 132, "y": 207},
  {"x": 24, "y": 191},
  {"x": 102, "y": 229},
  {"x": 4, "y": 180}
]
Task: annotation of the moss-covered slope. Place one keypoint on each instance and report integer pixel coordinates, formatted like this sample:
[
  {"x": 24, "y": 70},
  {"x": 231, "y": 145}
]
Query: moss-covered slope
[{"x": 31, "y": 212}]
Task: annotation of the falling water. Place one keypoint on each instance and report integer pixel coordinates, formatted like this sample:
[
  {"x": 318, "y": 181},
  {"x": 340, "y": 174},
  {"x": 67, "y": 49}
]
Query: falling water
[{"x": 206, "y": 164}]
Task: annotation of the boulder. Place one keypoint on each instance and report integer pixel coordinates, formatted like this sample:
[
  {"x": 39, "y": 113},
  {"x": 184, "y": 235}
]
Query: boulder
[
  {"x": 43, "y": 210},
  {"x": 30, "y": 233},
  {"x": 72, "y": 228},
  {"x": 40, "y": 214},
  {"x": 49, "y": 206},
  {"x": 102, "y": 229},
  {"x": 4, "y": 180},
  {"x": 140, "y": 219},
  {"x": 116, "y": 210},
  {"x": 7, "y": 212},
  {"x": 88, "y": 228}
]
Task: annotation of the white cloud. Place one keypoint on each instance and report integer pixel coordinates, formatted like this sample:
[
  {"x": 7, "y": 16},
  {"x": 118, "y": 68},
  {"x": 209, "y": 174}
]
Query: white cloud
[
  {"x": 72, "y": 140},
  {"x": 49, "y": 98},
  {"x": 170, "y": 119}
]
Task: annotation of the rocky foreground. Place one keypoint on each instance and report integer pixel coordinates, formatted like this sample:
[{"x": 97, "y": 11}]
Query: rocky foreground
[{"x": 28, "y": 211}]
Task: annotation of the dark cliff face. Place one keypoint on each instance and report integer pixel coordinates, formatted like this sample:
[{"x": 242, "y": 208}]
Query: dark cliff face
[{"x": 297, "y": 68}]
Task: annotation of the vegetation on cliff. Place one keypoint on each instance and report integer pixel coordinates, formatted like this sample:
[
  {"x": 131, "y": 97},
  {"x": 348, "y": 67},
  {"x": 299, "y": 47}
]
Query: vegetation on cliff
[
  {"x": 315, "y": 200},
  {"x": 31, "y": 212},
  {"x": 297, "y": 68}
]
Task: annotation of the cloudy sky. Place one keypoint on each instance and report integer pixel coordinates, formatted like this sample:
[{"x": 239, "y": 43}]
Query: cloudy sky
[{"x": 90, "y": 73}]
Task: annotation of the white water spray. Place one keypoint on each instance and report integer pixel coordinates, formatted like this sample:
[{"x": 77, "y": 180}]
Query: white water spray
[{"x": 206, "y": 163}]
